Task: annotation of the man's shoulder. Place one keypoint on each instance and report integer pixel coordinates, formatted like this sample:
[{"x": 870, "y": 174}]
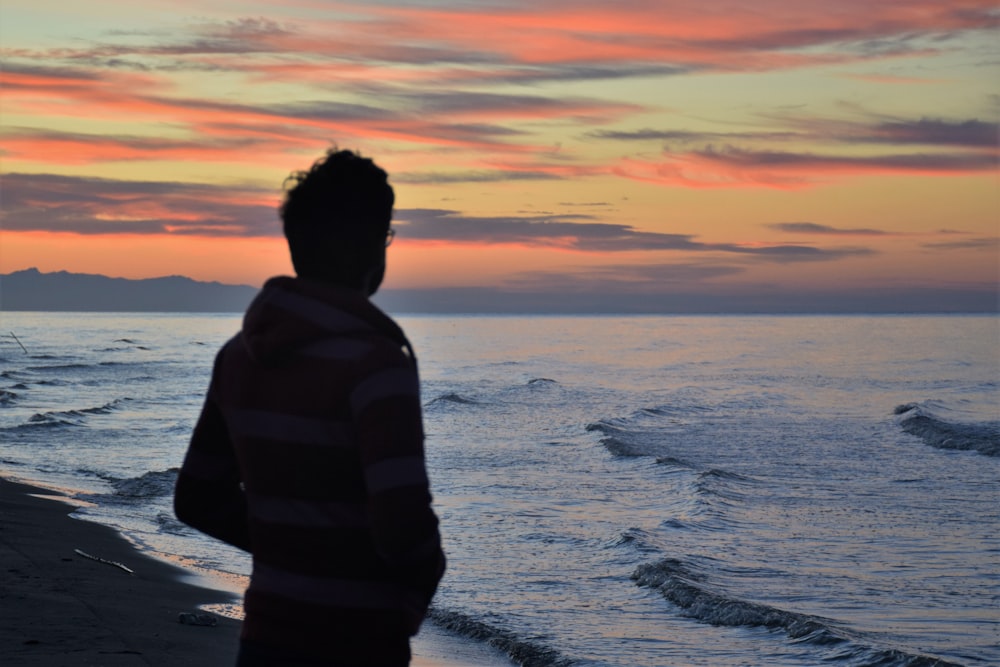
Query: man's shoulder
[
  {"x": 226, "y": 350},
  {"x": 387, "y": 350}
]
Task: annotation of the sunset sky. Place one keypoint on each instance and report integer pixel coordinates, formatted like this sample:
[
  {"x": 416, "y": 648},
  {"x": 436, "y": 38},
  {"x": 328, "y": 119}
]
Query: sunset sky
[{"x": 543, "y": 151}]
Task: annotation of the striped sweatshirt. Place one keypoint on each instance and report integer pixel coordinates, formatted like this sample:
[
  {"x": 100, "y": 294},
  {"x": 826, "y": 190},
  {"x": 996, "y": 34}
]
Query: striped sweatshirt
[{"x": 309, "y": 454}]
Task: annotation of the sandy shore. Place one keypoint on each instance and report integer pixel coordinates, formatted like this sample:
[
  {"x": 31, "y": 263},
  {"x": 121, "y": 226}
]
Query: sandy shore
[{"x": 60, "y": 608}]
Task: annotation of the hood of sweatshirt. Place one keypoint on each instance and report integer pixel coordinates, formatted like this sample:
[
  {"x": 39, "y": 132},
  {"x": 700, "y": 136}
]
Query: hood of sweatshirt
[{"x": 290, "y": 313}]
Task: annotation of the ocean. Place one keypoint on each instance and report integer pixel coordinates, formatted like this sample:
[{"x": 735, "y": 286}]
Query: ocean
[{"x": 640, "y": 491}]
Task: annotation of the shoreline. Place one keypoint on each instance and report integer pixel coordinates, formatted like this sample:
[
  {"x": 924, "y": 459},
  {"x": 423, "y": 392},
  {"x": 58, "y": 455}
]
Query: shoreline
[{"x": 58, "y": 607}]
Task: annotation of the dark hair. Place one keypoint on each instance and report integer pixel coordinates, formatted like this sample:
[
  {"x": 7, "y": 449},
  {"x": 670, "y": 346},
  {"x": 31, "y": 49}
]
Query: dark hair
[{"x": 336, "y": 216}]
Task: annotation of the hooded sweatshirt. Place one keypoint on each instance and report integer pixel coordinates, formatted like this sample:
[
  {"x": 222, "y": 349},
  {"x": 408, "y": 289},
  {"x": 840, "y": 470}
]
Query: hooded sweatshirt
[{"x": 309, "y": 454}]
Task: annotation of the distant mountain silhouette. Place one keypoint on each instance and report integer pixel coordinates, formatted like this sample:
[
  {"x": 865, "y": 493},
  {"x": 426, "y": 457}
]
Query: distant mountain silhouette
[{"x": 33, "y": 290}]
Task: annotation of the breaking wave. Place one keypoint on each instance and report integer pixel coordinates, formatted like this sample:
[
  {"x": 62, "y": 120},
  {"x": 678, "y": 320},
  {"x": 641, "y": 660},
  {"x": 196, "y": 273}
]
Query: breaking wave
[
  {"x": 453, "y": 397},
  {"x": 924, "y": 421},
  {"x": 153, "y": 484},
  {"x": 23, "y": 379},
  {"x": 526, "y": 653},
  {"x": 619, "y": 440},
  {"x": 686, "y": 588},
  {"x": 647, "y": 431},
  {"x": 639, "y": 540},
  {"x": 57, "y": 418},
  {"x": 168, "y": 523}
]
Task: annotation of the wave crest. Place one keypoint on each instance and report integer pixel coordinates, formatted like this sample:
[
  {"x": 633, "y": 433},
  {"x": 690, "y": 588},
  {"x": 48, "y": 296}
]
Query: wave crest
[
  {"x": 153, "y": 484},
  {"x": 524, "y": 652},
  {"x": 72, "y": 417},
  {"x": 686, "y": 588},
  {"x": 920, "y": 420},
  {"x": 453, "y": 397},
  {"x": 618, "y": 439}
]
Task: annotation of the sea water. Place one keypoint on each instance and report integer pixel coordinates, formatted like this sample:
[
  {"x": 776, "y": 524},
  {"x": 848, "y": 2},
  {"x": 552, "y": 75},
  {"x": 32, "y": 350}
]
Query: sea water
[{"x": 613, "y": 491}]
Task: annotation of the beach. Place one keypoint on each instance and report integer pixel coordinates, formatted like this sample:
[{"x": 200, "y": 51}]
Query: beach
[{"x": 60, "y": 608}]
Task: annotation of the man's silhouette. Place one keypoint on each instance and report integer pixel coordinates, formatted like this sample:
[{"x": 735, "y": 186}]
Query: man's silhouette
[{"x": 309, "y": 449}]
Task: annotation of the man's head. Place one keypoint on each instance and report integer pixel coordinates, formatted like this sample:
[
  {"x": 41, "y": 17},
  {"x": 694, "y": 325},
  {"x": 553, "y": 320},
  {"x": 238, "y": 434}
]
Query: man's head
[{"x": 336, "y": 217}]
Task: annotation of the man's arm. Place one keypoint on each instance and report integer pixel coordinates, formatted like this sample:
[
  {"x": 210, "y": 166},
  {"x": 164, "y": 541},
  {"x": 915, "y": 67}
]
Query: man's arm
[
  {"x": 387, "y": 412},
  {"x": 208, "y": 495}
]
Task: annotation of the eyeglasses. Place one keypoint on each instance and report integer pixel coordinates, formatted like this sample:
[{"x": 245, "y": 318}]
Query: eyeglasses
[{"x": 389, "y": 236}]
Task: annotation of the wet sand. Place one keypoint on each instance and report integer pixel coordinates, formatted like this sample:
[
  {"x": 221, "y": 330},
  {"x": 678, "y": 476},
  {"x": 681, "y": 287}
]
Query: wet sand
[{"x": 60, "y": 608}]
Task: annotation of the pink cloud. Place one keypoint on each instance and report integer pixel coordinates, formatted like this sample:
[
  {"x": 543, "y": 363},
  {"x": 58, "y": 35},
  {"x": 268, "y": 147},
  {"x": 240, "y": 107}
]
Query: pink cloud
[
  {"x": 426, "y": 75},
  {"x": 735, "y": 35},
  {"x": 736, "y": 167}
]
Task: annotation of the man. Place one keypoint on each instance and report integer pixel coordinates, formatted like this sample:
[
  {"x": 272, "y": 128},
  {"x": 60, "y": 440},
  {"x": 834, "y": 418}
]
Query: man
[{"x": 309, "y": 449}]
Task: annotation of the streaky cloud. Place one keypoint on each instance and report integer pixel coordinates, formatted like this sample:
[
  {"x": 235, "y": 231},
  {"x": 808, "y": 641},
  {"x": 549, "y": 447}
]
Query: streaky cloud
[
  {"x": 933, "y": 162},
  {"x": 327, "y": 110},
  {"x": 624, "y": 278},
  {"x": 82, "y": 148},
  {"x": 967, "y": 133},
  {"x": 584, "y": 233},
  {"x": 980, "y": 243},
  {"x": 732, "y": 166},
  {"x": 21, "y": 70},
  {"x": 826, "y": 230},
  {"x": 560, "y": 72},
  {"x": 923, "y": 131},
  {"x": 462, "y": 102},
  {"x": 88, "y": 205},
  {"x": 497, "y": 176},
  {"x": 937, "y": 132},
  {"x": 648, "y": 134}
]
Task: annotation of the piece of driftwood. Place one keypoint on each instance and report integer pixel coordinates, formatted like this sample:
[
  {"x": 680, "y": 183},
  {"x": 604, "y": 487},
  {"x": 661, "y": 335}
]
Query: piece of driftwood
[{"x": 105, "y": 561}]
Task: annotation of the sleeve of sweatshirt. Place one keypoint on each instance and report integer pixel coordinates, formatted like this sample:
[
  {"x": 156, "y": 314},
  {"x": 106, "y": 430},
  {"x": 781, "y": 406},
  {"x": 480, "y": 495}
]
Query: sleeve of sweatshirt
[
  {"x": 208, "y": 495},
  {"x": 387, "y": 413}
]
